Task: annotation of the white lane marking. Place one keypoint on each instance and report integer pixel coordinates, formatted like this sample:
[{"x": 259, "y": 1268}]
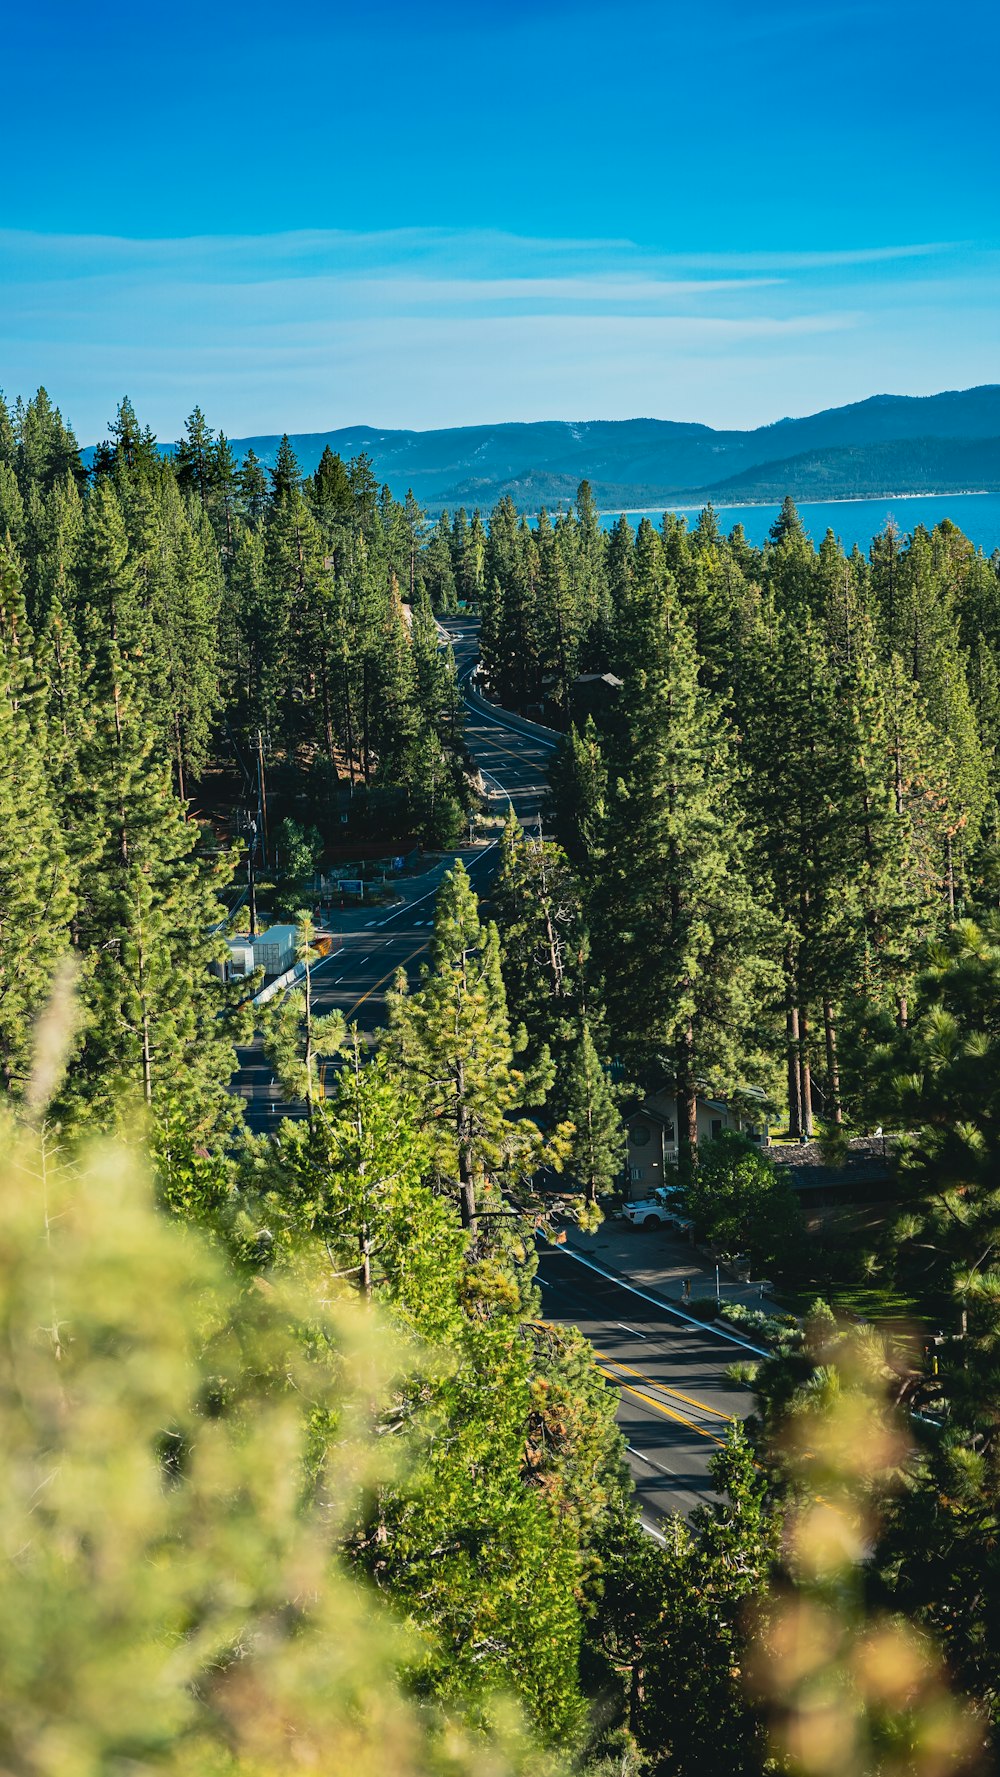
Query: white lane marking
[
  {"x": 632, "y": 1330},
  {"x": 371, "y": 922},
  {"x": 651, "y": 1530},
  {"x": 658, "y": 1302},
  {"x": 648, "y": 1460},
  {"x": 400, "y": 911}
]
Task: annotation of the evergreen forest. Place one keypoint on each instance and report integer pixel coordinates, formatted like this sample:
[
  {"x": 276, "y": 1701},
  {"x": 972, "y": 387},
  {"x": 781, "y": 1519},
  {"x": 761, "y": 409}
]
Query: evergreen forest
[{"x": 296, "y": 1474}]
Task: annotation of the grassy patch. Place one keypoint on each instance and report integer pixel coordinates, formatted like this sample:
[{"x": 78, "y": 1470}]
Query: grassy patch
[{"x": 875, "y": 1302}]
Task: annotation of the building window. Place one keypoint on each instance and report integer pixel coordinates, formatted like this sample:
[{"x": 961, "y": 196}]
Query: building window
[
  {"x": 668, "y": 1132},
  {"x": 716, "y": 1128},
  {"x": 639, "y": 1134}
]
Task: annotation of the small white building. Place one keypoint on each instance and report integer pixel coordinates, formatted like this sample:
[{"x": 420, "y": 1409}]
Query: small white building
[
  {"x": 240, "y": 957},
  {"x": 273, "y": 951},
  {"x": 652, "y": 1135}
]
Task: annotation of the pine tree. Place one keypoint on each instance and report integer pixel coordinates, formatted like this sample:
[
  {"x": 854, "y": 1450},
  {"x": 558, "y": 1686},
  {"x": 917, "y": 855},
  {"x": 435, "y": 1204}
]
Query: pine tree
[
  {"x": 55, "y": 525},
  {"x": 578, "y": 793},
  {"x": 790, "y": 561},
  {"x": 557, "y": 619},
  {"x": 679, "y": 931},
  {"x": 331, "y": 494},
  {"x": 176, "y": 561},
  {"x": 154, "y": 1033},
  {"x": 131, "y": 450},
  {"x": 36, "y": 896},
  {"x": 436, "y": 569},
  {"x": 353, "y": 1176},
  {"x": 470, "y": 574},
  {"x": 540, "y": 913},
  {"x": 583, "y": 1098},
  {"x": 46, "y": 450},
  {"x": 251, "y": 483},
  {"x": 286, "y": 476},
  {"x": 194, "y": 457},
  {"x": 222, "y": 484},
  {"x": 452, "y": 1041},
  {"x": 12, "y": 519}
]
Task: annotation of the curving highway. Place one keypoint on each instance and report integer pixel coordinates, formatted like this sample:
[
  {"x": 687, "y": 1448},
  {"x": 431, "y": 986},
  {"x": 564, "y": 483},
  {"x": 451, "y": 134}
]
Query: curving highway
[{"x": 669, "y": 1372}]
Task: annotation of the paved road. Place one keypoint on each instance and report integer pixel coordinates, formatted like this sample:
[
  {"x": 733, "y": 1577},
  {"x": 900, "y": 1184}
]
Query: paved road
[
  {"x": 674, "y": 1401},
  {"x": 514, "y": 764},
  {"x": 368, "y": 953},
  {"x": 669, "y": 1373}
]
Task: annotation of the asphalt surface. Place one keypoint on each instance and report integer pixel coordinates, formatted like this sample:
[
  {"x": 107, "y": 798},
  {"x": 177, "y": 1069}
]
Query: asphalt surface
[{"x": 674, "y": 1402}]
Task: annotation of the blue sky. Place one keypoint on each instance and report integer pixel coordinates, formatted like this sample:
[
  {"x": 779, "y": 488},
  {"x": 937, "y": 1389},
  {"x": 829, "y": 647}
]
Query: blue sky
[{"x": 438, "y": 215}]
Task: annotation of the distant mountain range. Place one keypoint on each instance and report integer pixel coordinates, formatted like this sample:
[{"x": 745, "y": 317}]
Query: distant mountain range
[{"x": 889, "y": 444}]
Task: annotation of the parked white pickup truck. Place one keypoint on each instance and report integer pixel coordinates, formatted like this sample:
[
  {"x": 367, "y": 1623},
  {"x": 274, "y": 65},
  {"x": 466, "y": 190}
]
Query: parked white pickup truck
[{"x": 656, "y": 1212}]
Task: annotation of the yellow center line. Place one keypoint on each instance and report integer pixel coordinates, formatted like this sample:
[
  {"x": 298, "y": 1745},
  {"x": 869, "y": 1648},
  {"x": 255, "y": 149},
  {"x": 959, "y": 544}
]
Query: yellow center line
[
  {"x": 703, "y": 1406},
  {"x": 668, "y": 1412},
  {"x": 651, "y": 1382},
  {"x": 490, "y": 740},
  {"x": 387, "y": 977}
]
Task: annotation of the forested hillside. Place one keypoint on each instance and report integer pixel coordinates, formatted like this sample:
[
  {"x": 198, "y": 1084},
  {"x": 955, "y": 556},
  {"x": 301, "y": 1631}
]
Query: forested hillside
[
  {"x": 889, "y": 443},
  {"x": 298, "y": 1475}
]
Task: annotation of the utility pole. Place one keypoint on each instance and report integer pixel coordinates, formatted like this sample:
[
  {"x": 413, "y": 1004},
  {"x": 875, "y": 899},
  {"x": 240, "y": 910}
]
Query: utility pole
[
  {"x": 262, "y": 799},
  {"x": 251, "y": 881}
]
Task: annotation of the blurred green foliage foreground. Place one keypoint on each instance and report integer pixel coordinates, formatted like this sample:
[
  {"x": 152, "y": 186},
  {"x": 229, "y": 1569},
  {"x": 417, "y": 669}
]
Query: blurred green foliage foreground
[{"x": 182, "y": 1453}]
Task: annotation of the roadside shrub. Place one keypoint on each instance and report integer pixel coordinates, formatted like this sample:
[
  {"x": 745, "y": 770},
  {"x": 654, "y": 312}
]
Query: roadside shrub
[
  {"x": 742, "y": 1375},
  {"x": 769, "y": 1329},
  {"x": 702, "y": 1308}
]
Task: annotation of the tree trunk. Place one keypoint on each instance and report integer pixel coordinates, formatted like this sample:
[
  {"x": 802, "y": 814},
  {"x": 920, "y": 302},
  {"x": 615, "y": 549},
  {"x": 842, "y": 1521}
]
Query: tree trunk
[
  {"x": 349, "y": 729},
  {"x": 309, "y": 1054},
  {"x": 466, "y": 1175},
  {"x": 252, "y": 882},
  {"x": 327, "y": 706},
  {"x": 179, "y": 744},
  {"x": 792, "y": 1055},
  {"x": 832, "y": 1064},
  {"x": 466, "y": 1190},
  {"x": 365, "y": 725},
  {"x": 147, "y": 1052},
  {"x": 687, "y": 1107},
  {"x": 262, "y": 788},
  {"x": 805, "y": 1075}
]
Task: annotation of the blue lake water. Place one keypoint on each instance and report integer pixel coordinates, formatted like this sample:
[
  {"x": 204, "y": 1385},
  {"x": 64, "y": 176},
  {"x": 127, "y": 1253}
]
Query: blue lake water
[{"x": 858, "y": 521}]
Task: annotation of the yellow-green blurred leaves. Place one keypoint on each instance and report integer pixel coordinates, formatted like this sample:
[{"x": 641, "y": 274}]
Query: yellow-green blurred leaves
[
  {"x": 852, "y": 1689},
  {"x": 171, "y": 1596}
]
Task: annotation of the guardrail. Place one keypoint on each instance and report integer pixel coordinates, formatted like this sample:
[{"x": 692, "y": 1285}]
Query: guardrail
[
  {"x": 547, "y": 737},
  {"x": 323, "y": 948}
]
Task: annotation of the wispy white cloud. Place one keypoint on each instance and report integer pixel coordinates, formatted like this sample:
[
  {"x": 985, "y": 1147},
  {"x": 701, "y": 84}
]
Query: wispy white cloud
[
  {"x": 427, "y": 326},
  {"x": 459, "y": 252}
]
